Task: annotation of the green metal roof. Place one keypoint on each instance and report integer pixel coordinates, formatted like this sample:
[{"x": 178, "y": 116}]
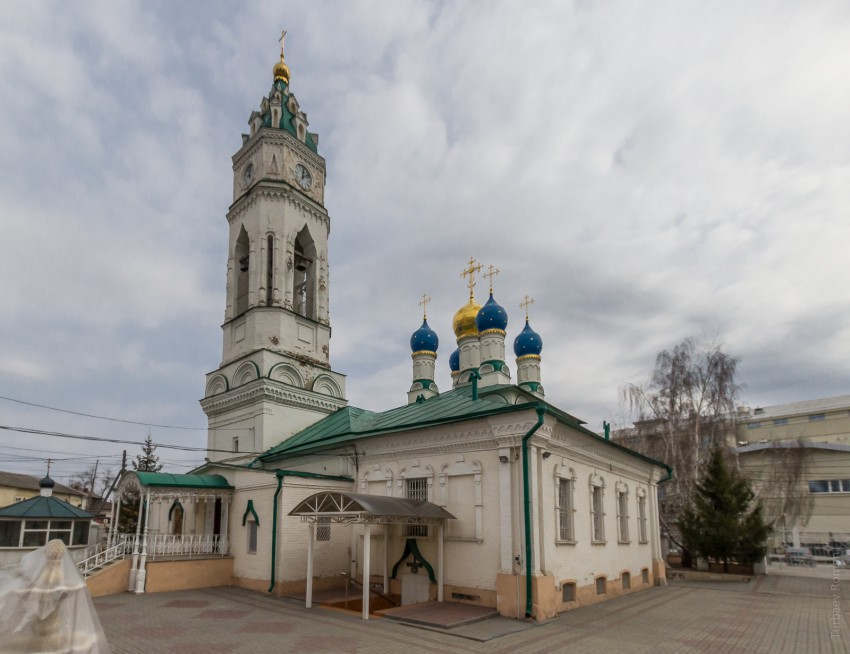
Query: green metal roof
[
  {"x": 352, "y": 423},
  {"x": 183, "y": 481},
  {"x": 44, "y": 507}
]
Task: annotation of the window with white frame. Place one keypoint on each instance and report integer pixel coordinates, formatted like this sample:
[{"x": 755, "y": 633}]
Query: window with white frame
[
  {"x": 623, "y": 515},
  {"x": 597, "y": 514},
  {"x": 417, "y": 489},
  {"x": 565, "y": 510},
  {"x": 642, "y": 535},
  {"x": 829, "y": 486},
  {"x": 35, "y": 533}
]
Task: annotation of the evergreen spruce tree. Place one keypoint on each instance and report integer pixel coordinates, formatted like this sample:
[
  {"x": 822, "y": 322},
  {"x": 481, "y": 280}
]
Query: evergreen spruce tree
[
  {"x": 147, "y": 461},
  {"x": 719, "y": 524}
]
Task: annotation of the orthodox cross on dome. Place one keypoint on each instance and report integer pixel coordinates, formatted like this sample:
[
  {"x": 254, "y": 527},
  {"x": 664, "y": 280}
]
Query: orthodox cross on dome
[
  {"x": 424, "y": 304},
  {"x": 470, "y": 272},
  {"x": 282, "y": 36},
  {"x": 492, "y": 271},
  {"x": 526, "y": 302}
]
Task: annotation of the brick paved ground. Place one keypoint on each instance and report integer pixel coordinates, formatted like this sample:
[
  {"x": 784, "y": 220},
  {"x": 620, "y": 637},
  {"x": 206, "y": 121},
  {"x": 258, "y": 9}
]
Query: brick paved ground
[{"x": 773, "y": 615}]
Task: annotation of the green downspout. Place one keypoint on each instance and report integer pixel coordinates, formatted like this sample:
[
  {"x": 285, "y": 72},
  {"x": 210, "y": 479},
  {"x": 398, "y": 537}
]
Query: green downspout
[
  {"x": 280, "y": 474},
  {"x": 274, "y": 526},
  {"x": 474, "y": 377},
  {"x": 526, "y": 495}
]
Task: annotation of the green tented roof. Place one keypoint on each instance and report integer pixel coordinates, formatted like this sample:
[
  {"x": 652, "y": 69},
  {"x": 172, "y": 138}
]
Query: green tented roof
[
  {"x": 44, "y": 508},
  {"x": 183, "y": 481}
]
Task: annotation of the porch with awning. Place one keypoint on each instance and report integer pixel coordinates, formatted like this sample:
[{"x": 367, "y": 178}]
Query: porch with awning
[
  {"x": 185, "y": 500},
  {"x": 369, "y": 510}
]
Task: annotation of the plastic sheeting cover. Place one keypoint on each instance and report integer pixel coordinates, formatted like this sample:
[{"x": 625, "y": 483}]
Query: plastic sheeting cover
[{"x": 45, "y": 606}]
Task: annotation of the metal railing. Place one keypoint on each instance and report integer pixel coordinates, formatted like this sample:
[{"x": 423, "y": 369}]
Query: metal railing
[
  {"x": 103, "y": 556},
  {"x": 95, "y": 557},
  {"x": 187, "y": 545}
]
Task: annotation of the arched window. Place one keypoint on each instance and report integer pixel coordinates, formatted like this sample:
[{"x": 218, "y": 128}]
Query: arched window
[
  {"x": 304, "y": 279},
  {"x": 175, "y": 517},
  {"x": 269, "y": 270},
  {"x": 241, "y": 257}
]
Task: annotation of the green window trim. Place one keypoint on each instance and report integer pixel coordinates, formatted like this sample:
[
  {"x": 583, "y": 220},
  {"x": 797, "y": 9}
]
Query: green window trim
[{"x": 250, "y": 509}]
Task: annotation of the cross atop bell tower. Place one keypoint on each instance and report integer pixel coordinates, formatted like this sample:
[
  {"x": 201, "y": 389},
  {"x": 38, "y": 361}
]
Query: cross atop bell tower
[{"x": 276, "y": 331}]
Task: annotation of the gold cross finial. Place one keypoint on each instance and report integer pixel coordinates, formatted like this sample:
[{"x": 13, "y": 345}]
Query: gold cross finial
[
  {"x": 492, "y": 272},
  {"x": 282, "y": 36},
  {"x": 470, "y": 272},
  {"x": 526, "y": 302},
  {"x": 424, "y": 304}
]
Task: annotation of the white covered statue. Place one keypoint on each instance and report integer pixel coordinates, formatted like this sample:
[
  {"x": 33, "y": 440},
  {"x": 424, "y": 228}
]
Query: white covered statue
[{"x": 46, "y": 607}]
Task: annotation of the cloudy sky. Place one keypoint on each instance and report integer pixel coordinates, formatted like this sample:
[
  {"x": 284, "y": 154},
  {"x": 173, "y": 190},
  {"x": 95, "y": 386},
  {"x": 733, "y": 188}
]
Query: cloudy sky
[{"x": 645, "y": 171}]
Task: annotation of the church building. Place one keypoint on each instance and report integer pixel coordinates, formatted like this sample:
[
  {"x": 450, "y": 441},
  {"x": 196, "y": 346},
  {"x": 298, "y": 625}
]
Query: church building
[{"x": 484, "y": 493}]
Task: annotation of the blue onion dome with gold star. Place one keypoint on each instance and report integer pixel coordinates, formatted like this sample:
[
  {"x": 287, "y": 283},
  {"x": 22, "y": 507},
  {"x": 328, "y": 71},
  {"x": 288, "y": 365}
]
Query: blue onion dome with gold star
[
  {"x": 528, "y": 342},
  {"x": 491, "y": 316},
  {"x": 454, "y": 361},
  {"x": 424, "y": 339}
]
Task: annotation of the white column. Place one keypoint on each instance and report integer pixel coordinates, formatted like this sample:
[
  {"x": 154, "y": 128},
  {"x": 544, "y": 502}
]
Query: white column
[
  {"x": 506, "y": 554},
  {"x": 386, "y": 558},
  {"x": 533, "y": 455},
  {"x": 311, "y": 536},
  {"x": 367, "y": 553},
  {"x": 225, "y": 526},
  {"x": 141, "y": 573},
  {"x": 134, "y": 568},
  {"x": 113, "y": 527},
  {"x": 440, "y": 529}
]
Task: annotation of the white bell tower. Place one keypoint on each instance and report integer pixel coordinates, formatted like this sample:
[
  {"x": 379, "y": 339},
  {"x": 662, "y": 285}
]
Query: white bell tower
[{"x": 275, "y": 376}]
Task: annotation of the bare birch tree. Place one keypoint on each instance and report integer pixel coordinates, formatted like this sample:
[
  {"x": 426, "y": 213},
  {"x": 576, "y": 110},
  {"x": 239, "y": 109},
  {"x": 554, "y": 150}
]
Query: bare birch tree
[{"x": 686, "y": 409}]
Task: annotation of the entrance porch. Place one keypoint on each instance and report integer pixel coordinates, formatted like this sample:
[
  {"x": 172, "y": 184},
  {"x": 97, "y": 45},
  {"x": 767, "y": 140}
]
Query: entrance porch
[{"x": 179, "y": 516}]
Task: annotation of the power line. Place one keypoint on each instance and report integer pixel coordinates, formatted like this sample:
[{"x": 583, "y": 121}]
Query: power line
[
  {"x": 128, "y": 422},
  {"x": 120, "y": 441}
]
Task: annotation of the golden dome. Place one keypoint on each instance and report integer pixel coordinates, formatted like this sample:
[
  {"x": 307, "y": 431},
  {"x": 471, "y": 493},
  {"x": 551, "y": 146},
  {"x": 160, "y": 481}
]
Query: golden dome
[
  {"x": 281, "y": 70},
  {"x": 463, "y": 323}
]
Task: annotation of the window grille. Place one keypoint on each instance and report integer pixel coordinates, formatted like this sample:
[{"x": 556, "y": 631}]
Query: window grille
[
  {"x": 600, "y": 586},
  {"x": 565, "y": 510},
  {"x": 623, "y": 516},
  {"x": 568, "y": 593},
  {"x": 598, "y": 517},
  {"x": 642, "y": 519},
  {"x": 323, "y": 529},
  {"x": 417, "y": 489},
  {"x": 252, "y": 537},
  {"x": 626, "y": 580}
]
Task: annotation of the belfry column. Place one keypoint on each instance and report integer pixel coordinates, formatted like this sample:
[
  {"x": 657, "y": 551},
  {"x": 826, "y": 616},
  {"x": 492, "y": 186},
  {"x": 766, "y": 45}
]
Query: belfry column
[
  {"x": 423, "y": 343},
  {"x": 491, "y": 321},
  {"x": 527, "y": 348},
  {"x": 466, "y": 331}
]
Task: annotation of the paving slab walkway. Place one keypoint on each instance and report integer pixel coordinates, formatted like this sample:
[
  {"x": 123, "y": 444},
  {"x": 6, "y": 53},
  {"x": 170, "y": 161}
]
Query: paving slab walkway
[{"x": 769, "y": 615}]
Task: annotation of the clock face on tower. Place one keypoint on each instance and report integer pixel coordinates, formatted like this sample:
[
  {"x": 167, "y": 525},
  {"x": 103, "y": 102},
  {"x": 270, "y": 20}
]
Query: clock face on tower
[
  {"x": 248, "y": 174},
  {"x": 303, "y": 176}
]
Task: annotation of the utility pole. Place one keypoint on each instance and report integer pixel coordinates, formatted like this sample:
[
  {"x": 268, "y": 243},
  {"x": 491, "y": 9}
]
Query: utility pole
[{"x": 91, "y": 485}]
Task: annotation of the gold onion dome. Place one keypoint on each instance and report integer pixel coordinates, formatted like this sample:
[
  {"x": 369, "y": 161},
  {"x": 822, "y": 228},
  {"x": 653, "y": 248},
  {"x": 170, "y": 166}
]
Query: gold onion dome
[
  {"x": 281, "y": 70},
  {"x": 463, "y": 323}
]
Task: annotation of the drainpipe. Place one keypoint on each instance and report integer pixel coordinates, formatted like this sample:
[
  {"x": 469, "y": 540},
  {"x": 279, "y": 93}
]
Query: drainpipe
[
  {"x": 274, "y": 526},
  {"x": 474, "y": 376},
  {"x": 280, "y": 474},
  {"x": 526, "y": 495}
]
